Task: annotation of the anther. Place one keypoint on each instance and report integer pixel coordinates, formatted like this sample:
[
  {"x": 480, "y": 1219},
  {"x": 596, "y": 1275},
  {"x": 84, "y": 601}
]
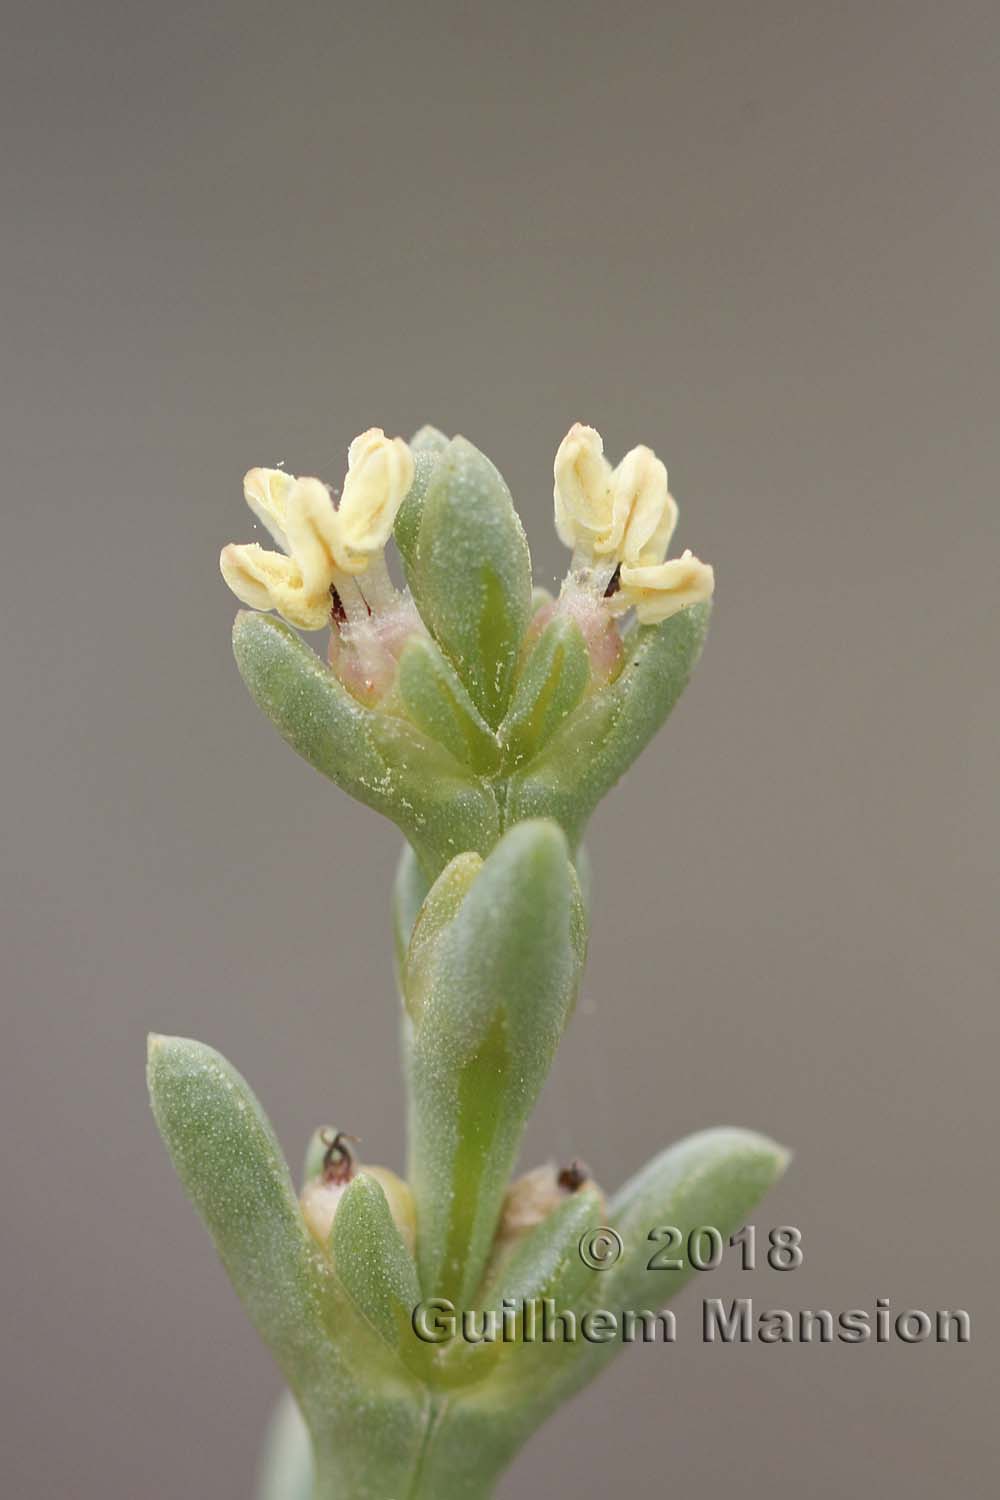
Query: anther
[
  {"x": 573, "y": 1176},
  {"x": 338, "y": 1159}
]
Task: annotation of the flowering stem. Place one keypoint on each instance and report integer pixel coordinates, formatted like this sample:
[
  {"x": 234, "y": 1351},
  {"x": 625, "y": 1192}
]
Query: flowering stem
[{"x": 487, "y": 725}]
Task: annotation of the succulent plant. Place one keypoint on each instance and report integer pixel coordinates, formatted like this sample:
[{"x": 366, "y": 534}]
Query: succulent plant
[{"x": 487, "y": 719}]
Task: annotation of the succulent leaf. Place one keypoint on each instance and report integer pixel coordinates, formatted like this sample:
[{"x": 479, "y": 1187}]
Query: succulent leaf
[
  {"x": 469, "y": 570},
  {"x": 437, "y": 703},
  {"x": 427, "y": 445},
  {"x": 492, "y": 974},
  {"x": 553, "y": 681},
  {"x": 372, "y": 1262},
  {"x": 232, "y": 1168},
  {"x": 547, "y": 1262},
  {"x": 595, "y": 746},
  {"x": 381, "y": 759},
  {"x": 716, "y": 1178}
]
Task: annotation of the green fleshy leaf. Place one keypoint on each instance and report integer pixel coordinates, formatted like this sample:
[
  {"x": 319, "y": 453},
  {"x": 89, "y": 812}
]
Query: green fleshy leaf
[
  {"x": 429, "y": 440},
  {"x": 365, "y": 1412},
  {"x": 715, "y": 1178},
  {"x": 427, "y": 445},
  {"x": 437, "y": 703},
  {"x": 469, "y": 570},
  {"x": 372, "y": 1262},
  {"x": 547, "y": 1261},
  {"x": 379, "y": 758},
  {"x": 489, "y": 990},
  {"x": 443, "y": 903},
  {"x": 232, "y": 1169},
  {"x": 551, "y": 685},
  {"x": 596, "y": 745}
]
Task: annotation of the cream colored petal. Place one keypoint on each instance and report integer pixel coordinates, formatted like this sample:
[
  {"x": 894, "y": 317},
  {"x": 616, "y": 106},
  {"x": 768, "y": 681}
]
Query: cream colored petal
[
  {"x": 364, "y": 444},
  {"x": 379, "y": 474},
  {"x": 643, "y": 512},
  {"x": 245, "y": 569},
  {"x": 582, "y": 490},
  {"x": 655, "y": 550},
  {"x": 266, "y": 492},
  {"x": 314, "y": 534},
  {"x": 268, "y": 580},
  {"x": 658, "y": 591}
]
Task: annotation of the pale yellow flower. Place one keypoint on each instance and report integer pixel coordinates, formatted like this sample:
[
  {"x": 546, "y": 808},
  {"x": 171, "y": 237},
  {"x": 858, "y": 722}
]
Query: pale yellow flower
[
  {"x": 582, "y": 491},
  {"x": 643, "y": 512},
  {"x": 313, "y": 528},
  {"x": 268, "y": 580},
  {"x": 266, "y": 492},
  {"x": 379, "y": 474},
  {"x": 619, "y": 523},
  {"x": 320, "y": 541},
  {"x": 617, "y": 515},
  {"x": 657, "y": 591}
]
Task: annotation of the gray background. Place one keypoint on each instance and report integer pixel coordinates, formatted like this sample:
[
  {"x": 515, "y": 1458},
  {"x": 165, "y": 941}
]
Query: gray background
[{"x": 763, "y": 239}]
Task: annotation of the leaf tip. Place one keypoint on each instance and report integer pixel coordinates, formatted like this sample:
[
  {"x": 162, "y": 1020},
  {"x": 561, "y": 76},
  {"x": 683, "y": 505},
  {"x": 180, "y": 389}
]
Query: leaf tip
[{"x": 752, "y": 1143}]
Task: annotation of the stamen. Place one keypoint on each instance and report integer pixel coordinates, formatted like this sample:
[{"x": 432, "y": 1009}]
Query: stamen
[
  {"x": 582, "y": 559},
  {"x": 376, "y": 584},
  {"x": 352, "y": 601},
  {"x": 593, "y": 576}
]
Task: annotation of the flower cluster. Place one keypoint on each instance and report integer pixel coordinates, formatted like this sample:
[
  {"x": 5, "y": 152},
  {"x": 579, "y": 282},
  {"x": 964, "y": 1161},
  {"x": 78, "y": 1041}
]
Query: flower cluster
[
  {"x": 618, "y": 523},
  {"x": 331, "y": 569},
  {"x": 325, "y": 549}
]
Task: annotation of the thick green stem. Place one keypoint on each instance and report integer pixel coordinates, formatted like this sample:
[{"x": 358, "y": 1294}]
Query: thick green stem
[{"x": 449, "y": 1462}]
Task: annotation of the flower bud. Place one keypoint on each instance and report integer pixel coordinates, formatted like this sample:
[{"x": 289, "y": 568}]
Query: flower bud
[
  {"x": 532, "y": 1197},
  {"x": 322, "y": 1194},
  {"x": 319, "y": 1206}
]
